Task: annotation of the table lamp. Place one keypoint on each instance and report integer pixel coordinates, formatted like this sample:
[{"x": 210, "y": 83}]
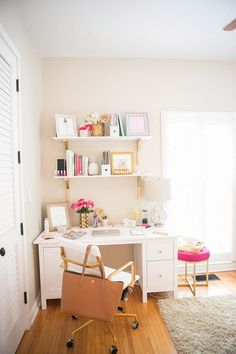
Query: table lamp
[{"x": 158, "y": 190}]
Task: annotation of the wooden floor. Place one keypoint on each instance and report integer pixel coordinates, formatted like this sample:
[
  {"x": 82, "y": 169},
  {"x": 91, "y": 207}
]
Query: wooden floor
[{"x": 51, "y": 329}]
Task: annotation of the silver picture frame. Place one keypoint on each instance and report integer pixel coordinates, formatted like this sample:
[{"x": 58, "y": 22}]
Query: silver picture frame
[{"x": 136, "y": 124}]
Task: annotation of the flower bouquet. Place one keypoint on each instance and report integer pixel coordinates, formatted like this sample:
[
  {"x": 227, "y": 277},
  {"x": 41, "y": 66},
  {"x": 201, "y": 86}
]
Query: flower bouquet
[
  {"x": 98, "y": 122},
  {"x": 83, "y": 208}
]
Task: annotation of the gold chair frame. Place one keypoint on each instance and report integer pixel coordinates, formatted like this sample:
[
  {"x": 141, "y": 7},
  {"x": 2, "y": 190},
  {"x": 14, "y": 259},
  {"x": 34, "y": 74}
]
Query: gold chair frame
[{"x": 99, "y": 264}]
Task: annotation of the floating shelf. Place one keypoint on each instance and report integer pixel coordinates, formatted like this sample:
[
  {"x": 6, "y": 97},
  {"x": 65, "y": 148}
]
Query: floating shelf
[
  {"x": 100, "y": 176},
  {"x": 101, "y": 138}
]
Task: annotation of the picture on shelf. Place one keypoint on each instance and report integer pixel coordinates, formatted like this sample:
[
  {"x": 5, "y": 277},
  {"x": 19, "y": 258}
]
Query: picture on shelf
[
  {"x": 136, "y": 124},
  {"x": 57, "y": 216},
  {"x": 122, "y": 163},
  {"x": 65, "y": 126}
]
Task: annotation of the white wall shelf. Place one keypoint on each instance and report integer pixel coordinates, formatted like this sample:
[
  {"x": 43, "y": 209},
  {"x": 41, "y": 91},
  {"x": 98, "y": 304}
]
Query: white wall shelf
[
  {"x": 101, "y": 138},
  {"x": 77, "y": 139},
  {"x": 100, "y": 176}
]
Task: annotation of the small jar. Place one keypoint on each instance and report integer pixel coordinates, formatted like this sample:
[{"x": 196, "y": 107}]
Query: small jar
[
  {"x": 144, "y": 216},
  {"x": 93, "y": 167}
]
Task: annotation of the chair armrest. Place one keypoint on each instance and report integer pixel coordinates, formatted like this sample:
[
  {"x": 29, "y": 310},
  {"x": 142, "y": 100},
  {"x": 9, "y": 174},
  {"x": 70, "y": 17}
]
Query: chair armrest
[{"x": 124, "y": 266}]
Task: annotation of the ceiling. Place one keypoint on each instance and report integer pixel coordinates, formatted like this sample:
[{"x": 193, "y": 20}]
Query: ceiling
[{"x": 183, "y": 29}]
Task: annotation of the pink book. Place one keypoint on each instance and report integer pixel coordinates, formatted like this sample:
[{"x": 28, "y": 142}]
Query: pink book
[
  {"x": 80, "y": 165},
  {"x": 77, "y": 165}
]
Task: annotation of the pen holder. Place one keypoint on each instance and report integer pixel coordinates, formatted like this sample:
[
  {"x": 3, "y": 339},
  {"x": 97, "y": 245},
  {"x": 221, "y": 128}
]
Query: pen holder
[
  {"x": 114, "y": 131},
  {"x": 106, "y": 170}
]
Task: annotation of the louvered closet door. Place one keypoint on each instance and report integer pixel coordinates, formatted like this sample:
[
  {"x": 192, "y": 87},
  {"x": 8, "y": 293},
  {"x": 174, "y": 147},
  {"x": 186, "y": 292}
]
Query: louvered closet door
[{"x": 12, "y": 307}]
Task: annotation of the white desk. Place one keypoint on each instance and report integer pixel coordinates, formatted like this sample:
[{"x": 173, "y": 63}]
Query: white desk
[{"x": 155, "y": 256}]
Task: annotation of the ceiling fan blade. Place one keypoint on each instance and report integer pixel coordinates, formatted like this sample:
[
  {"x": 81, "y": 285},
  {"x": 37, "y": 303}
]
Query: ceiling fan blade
[{"x": 231, "y": 26}]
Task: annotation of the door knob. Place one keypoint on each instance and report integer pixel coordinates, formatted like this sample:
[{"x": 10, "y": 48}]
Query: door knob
[{"x": 2, "y": 251}]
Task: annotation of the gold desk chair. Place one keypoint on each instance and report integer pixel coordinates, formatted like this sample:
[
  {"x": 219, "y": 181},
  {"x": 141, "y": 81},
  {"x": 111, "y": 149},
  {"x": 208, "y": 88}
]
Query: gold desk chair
[{"x": 73, "y": 253}]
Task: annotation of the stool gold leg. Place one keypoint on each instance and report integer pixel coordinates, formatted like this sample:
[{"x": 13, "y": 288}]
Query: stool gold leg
[
  {"x": 186, "y": 270},
  {"x": 194, "y": 278},
  {"x": 207, "y": 273}
]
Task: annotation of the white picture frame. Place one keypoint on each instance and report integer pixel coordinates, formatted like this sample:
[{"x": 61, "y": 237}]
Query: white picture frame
[
  {"x": 136, "y": 124},
  {"x": 65, "y": 126},
  {"x": 57, "y": 215}
]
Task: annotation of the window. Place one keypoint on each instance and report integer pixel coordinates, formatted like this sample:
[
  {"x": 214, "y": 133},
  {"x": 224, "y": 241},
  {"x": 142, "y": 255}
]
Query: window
[{"x": 199, "y": 156}]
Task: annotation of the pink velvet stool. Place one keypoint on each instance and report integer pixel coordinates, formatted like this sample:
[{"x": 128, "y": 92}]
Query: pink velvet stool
[{"x": 191, "y": 257}]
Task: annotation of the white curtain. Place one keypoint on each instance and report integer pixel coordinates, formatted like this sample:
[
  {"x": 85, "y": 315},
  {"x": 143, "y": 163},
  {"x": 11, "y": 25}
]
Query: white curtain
[{"x": 198, "y": 154}]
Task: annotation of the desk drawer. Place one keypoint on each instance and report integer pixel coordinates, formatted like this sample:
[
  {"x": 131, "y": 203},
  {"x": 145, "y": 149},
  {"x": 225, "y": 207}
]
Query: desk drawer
[
  {"x": 160, "y": 276},
  {"x": 160, "y": 250}
]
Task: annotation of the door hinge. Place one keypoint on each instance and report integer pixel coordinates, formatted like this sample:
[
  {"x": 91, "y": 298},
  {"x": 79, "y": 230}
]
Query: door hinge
[
  {"x": 17, "y": 85},
  {"x": 19, "y": 157},
  {"x": 25, "y": 297},
  {"x": 22, "y": 229}
]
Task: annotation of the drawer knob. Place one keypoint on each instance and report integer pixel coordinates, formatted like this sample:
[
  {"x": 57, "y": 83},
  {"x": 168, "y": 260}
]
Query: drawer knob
[
  {"x": 160, "y": 275},
  {"x": 160, "y": 251}
]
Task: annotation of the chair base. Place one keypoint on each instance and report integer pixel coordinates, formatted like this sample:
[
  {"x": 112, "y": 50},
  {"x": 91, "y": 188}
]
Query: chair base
[
  {"x": 135, "y": 325},
  {"x": 192, "y": 285}
]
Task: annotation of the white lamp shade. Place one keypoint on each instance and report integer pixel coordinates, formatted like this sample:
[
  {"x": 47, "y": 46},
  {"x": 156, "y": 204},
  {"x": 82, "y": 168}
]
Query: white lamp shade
[{"x": 157, "y": 189}]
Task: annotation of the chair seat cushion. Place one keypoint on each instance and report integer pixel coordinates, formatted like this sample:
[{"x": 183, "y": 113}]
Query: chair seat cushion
[
  {"x": 125, "y": 277},
  {"x": 187, "y": 256}
]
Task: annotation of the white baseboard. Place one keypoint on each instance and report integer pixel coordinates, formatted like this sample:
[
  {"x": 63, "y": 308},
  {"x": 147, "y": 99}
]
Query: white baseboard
[
  {"x": 213, "y": 267},
  {"x": 34, "y": 309}
]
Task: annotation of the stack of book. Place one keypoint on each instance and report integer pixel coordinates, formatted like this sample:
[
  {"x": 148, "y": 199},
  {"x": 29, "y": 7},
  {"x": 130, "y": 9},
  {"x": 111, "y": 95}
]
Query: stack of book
[
  {"x": 189, "y": 244},
  {"x": 73, "y": 165}
]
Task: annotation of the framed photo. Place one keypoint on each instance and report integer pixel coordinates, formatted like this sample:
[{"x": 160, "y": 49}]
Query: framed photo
[
  {"x": 136, "y": 124},
  {"x": 65, "y": 125},
  {"x": 57, "y": 215},
  {"x": 122, "y": 163}
]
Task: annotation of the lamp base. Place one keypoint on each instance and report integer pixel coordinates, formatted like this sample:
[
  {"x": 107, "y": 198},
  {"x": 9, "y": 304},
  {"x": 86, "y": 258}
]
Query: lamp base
[{"x": 158, "y": 215}]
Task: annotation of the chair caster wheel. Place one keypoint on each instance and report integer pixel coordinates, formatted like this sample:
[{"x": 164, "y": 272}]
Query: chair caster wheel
[
  {"x": 135, "y": 324},
  {"x": 130, "y": 290},
  {"x": 113, "y": 349},
  {"x": 120, "y": 309},
  {"x": 74, "y": 317},
  {"x": 70, "y": 343}
]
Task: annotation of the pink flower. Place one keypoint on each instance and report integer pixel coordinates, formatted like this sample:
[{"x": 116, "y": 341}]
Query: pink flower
[
  {"x": 74, "y": 206},
  {"x": 83, "y": 206},
  {"x": 88, "y": 127}
]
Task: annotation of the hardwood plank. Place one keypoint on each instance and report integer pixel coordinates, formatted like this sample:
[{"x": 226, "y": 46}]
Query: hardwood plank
[{"x": 51, "y": 328}]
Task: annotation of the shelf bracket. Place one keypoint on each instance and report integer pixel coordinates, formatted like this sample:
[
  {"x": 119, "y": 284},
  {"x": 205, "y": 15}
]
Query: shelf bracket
[
  {"x": 138, "y": 160},
  {"x": 138, "y": 144},
  {"x": 66, "y": 144},
  {"x": 138, "y": 188},
  {"x": 67, "y": 184}
]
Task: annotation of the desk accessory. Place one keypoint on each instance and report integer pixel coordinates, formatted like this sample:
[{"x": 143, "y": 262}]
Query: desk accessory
[
  {"x": 137, "y": 232},
  {"x": 92, "y": 167},
  {"x": 47, "y": 235},
  {"x": 114, "y": 127},
  {"x": 83, "y": 208},
  {"x": 105, "y": 164},
  {"x": 100, "y": 213},
  {"x": 73, "y": 235}
]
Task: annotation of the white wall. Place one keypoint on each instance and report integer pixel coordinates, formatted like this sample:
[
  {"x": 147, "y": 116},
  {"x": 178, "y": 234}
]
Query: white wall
[
  {"x": 78, "y": 86},
  {"x": 30, "y": 95}
]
